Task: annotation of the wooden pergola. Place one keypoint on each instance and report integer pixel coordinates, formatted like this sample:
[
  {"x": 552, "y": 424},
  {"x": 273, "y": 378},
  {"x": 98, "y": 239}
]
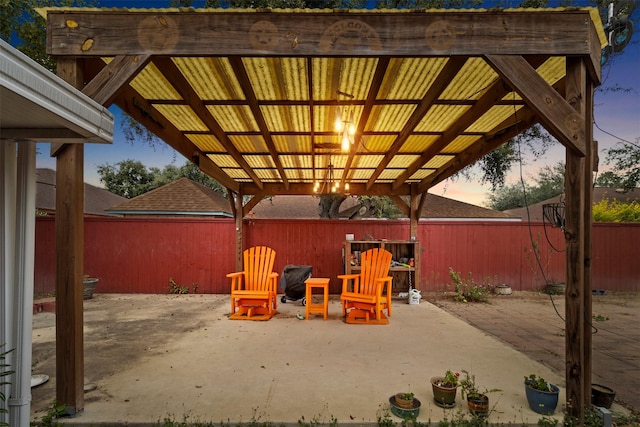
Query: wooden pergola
[{"x": 250, "y": 96}]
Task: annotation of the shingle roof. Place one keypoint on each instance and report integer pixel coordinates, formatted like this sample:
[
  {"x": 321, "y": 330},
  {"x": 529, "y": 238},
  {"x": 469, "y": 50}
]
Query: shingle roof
[
  {"x": 599, "y": 193},
  {"x": 96, "y": 199},
  {"x": 306, "y": 207},
  {"x": 181, "y": 197}
]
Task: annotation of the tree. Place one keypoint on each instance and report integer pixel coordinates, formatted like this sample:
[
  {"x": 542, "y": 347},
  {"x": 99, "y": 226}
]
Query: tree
[
  {"x": 128, "y": 178},
  {"x": 625, "y": 158},
  {"x": 549, "y": 183}
]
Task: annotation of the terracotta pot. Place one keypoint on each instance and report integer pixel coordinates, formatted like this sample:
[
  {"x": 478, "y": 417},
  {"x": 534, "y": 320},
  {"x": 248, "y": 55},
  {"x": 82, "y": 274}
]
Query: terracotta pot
[
  {"x": 445, "y": 397},
  {"x": 401, "y": 402},
  {"x": 479, "y": 404}
]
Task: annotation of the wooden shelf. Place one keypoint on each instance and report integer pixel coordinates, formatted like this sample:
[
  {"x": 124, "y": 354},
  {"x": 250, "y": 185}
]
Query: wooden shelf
[{"x": 400, "y": 250}]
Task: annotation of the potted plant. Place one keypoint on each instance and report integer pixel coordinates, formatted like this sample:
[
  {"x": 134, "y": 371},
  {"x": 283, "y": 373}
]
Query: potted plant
[
  {"x": 445, "y": 389},
  {"x": 541, "y": 395},
  {"x": 88, "y": 286},
  {"x": 477, "y": 399},
  {"x": 405, "y": 405}
]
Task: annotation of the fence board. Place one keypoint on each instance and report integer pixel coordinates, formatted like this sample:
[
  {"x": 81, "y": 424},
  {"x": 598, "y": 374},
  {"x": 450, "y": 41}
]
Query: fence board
[{"x": 140, "y": 255}]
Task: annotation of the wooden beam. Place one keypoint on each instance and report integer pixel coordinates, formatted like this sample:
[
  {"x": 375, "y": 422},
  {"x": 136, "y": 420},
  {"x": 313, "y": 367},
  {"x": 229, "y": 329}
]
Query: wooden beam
[
  {"x": 319, "y": 33},
  {"x": 492, "y": 95},
  {"x": 247, "y": 88},
  {"x": 141, "y": 110},
  {"x": 118, "y": 73},
  {"x": 501, "y": 134},
  {"x": 169, "y": 69},
  {"x": 556, "y": 114},
  {"x": 239, "y": 230},
  {"x": 451, "y": 68},
  {"x": 252, "y": 203},
  {"x": 414, "y": 211},
  {"x": 70, "y": 263},
  {"x": 575, "y": 187},
  {"x": 401, "y": 204},
  {"x": 307, "y": 189}
]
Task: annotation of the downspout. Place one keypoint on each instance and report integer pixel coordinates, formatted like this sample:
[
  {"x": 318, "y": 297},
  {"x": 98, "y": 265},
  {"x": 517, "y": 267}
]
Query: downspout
[
  {"x": 7, "y": 241},
  {"x": 20, "y": 400}
]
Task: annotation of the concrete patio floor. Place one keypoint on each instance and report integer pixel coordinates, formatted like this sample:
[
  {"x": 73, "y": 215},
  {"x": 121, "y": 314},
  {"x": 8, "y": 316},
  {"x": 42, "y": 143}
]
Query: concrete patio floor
[{"x": 152, "y": 357}]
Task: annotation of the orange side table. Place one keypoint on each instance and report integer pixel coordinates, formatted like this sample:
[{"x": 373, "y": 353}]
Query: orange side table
[{"x": 317, "y": 282}]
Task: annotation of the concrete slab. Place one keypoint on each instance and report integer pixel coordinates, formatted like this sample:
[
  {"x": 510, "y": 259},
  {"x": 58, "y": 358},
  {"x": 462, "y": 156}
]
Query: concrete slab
[{"x": 176, "y": 356}]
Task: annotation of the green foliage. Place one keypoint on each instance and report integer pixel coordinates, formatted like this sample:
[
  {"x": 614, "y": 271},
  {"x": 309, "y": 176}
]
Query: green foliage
[
  {"x": 614, "y": 211},
  {"x": 470, "y": 389},
  {"x": 467, "y": 290},
  {"x": 625, "y": 158},
  {"x": 4, "y": 372},
  {"x": 548, "y": 183},
  {"x": 174, "y": 288},
  {"x": 537, "y": 383},
  {"x": 547, "y": 421},
  {"x": 54, "y": 411},
  {"x": 130, "y": 178},
  {"x": 451, "y": 379}
]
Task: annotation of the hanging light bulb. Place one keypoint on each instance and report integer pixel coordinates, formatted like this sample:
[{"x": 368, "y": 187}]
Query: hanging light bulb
[
  {"x": 351, "y": 126},
  {"x": 346, "y": 142},
  {"x": 346, "y": 187},
  {"x": 339, "y": 125}
]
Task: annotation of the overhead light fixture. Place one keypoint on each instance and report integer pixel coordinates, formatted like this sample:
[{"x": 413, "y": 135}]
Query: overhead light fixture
[
  {"x": 329, "y": 184},
  {"x": 345, "y": 125}
]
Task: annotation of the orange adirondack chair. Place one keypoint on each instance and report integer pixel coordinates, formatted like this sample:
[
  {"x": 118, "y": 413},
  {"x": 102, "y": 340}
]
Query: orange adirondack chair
[
  {"x": 254, "y": 290},
  {"x": 363, "y": 295}
]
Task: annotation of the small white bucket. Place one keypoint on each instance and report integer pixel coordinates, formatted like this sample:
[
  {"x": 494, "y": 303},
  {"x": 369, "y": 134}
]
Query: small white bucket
[{"x": 414, "y": 296}]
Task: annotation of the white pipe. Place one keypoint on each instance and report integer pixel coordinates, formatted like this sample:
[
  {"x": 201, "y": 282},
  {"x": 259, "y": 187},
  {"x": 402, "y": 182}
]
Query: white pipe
[
  {"x": 7, "y": 242},
  {"x": 20, "y": 400}
]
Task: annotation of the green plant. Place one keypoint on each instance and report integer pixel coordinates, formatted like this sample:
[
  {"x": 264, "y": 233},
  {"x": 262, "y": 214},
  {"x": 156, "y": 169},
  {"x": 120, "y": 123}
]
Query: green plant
[
  {"x": 537, "y": 383},
  {"x": 467, "y": 290},
  {"x": 451, "y": 379},
  {"x": 599, "y": 318},
  {"x": 4, "y": 372},
  {"x": 469, "y": 387},
  {"x": 174, "y": 288},
  {"x": 407, "y": 396},
  {"x": 54, "y": 411},
  {"x": 547, "y": 422}
]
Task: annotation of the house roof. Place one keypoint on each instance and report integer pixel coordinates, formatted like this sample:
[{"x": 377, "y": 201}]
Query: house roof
[
  {"x": 251, "y": 96},
  {"x": 180, "y": 197},
  {"x": 96, "y": 199},
  {"x": 599, "y": 193},
  {"x": 306, "y": 207}
]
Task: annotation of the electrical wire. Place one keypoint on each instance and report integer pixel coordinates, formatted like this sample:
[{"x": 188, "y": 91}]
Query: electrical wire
[{"x": 614, "y": 136}]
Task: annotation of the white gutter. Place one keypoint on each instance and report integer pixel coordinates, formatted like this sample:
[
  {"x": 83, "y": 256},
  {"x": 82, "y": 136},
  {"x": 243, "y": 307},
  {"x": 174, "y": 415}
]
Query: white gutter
[{"x": 20, "y": 399}]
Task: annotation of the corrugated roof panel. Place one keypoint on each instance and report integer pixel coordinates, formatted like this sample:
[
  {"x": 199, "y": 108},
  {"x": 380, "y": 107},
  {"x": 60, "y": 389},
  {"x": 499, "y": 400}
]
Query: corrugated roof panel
[
  {"x": 418, "y": 143},
  {"x": 410, "y": 78},
  {"x": 338, "y": 161},
  {"x": 267, "y": 174},
  {"x": 390, "y": 174},
  {"x": 280, "y": 118},
  {"x": 296, "y": 161},
  {"x": 389, "y": 117},
  {"x": 437, "y": 162},
  {"x": 440, "y": 117},
  {"x": 493, "y": 117},
  {"x": 376, "y": 143},
  {"x": 206, "y": 142},
  {"x": 151, "y": 84},
  {"x": 348, "y": 75},
  {"x": 292, "y": 143},
  {"x": 553, "y": 69},
  {"x": 211, "y": 78},
  {"x": 324, "y": 116},
  {"x": 182, "y": 117},
  {"x": 360, "y": 174},
  {"x": 401, "y": 161},
  {"x": 278, "y": 78},
  {"x": 259, "y": 162},
  {"x": 305, "y": 175},
  {"x": 421, "y": 174},
  {"x": 249, "y": 143},
  {"x": 368, "y": 161},
  {"x": 460, "y": 144},
  {"x": 234, "y": 118},
  {"x": 223, "y": 160},
  {"x": 471, "y": 82},
  {"x": 237, "y": 173}
]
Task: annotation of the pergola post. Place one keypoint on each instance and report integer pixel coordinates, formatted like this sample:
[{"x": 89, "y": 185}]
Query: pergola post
[
  {"x": 239, "y": 215},
  {"x": 69, "y": 263},
  {"x": 577, "y": 231}
]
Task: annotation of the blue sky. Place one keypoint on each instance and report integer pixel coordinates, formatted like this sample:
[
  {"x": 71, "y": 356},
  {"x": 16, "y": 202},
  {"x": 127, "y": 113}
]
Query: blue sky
[{"x": 616, "y": 113}]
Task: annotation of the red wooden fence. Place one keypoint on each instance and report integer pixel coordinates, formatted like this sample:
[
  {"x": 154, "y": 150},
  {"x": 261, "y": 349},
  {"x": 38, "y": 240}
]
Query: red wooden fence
[{"x": 141, "y": 255}]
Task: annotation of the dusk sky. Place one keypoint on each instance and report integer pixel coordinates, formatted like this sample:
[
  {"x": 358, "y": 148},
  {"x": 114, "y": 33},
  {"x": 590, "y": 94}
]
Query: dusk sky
[{"x": 616, "y": 113}]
